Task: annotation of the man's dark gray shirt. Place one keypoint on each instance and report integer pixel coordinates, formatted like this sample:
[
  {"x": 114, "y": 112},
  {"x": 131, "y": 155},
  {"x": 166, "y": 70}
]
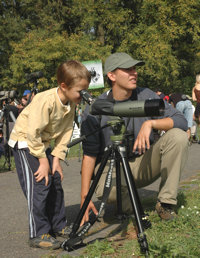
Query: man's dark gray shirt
[{"x": 95, "y": 144}]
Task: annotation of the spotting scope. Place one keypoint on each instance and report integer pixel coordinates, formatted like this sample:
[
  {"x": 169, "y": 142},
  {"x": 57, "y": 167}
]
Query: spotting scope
[
  {"x": 136, "y": 108},
  {"x": 8, "y": 94},
  {"x": 32, "y": 77}
]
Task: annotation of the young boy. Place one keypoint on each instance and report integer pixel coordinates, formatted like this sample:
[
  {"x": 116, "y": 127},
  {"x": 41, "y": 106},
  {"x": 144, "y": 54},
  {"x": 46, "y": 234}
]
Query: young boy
[{"x": 48, "y": 117}]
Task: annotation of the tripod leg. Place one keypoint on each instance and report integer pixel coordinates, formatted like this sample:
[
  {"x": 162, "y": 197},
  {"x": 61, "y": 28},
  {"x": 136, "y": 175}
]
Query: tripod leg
[
  {"x": 90, "y": 193},
  {"x": 118, "y": 188},
  {"x": 8, "y": 156},
  {"x": 8, "y": 150},
  {"x": 134, "y": 199}
]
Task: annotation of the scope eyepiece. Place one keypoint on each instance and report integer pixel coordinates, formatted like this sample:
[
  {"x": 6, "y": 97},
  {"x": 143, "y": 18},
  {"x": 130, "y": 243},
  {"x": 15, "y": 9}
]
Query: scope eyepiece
[{"x": 86, "y": 96}]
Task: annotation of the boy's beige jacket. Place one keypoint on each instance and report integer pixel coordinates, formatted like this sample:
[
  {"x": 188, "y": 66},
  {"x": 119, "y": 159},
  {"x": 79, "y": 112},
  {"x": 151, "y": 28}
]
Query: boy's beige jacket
[{"x": 44, "y": 119}]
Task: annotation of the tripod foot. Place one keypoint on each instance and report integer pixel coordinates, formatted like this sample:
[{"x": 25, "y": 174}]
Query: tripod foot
[
  {"x": 143, "y": 243},
  {"x": 74, "y": 247}
]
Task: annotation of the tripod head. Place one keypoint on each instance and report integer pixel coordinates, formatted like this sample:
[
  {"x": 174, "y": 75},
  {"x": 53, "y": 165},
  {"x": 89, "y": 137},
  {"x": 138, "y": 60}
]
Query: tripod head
[{"x": 118, "y": 128}]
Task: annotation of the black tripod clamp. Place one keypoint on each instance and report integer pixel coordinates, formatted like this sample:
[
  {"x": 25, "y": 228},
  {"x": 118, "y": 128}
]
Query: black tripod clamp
[{"x": 115, "y": 153}]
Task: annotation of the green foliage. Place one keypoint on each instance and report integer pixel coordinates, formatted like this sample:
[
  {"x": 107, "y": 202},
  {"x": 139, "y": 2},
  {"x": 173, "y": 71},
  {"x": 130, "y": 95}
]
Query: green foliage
[
  {"x": 38, "y": 51},
  {"x": 43, "y": 50},
  {"x": 166, "y": 38},
  {"x": 38, "y": 35}
]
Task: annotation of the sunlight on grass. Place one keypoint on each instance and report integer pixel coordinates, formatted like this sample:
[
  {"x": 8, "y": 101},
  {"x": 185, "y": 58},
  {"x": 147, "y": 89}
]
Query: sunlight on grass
[{"x": 177, "y": 238}]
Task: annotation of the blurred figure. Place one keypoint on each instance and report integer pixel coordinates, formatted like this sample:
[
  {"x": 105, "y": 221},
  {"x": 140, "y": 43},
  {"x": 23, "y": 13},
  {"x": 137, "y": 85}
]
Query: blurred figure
[
  {"x": 196, "y": 97},
  {"x": 25, "y": 97},
  {"x": 194, "y": 136},
  {"x": 24, "y": 100},
  {"x": 184, "y": 105},
  {"x": 162, "y": 95}
]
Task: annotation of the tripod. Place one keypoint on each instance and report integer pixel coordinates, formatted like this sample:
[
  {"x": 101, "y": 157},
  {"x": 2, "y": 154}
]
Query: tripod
[
  {"x": 116, "y": 152},
  {"x": 6, "y": 114}
]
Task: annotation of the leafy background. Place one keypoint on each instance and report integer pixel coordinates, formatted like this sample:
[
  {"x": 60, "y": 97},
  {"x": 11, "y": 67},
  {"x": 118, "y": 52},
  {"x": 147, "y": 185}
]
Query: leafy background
[{"x": 40, "y": 34}]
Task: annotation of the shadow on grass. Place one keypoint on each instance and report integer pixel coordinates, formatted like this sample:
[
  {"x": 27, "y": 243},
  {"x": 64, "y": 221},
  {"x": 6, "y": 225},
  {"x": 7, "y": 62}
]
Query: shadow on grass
[{"x": 181, "y": 200}]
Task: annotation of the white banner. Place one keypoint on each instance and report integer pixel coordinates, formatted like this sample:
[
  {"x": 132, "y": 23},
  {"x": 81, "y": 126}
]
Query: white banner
[{"x": 95, "y": 68}]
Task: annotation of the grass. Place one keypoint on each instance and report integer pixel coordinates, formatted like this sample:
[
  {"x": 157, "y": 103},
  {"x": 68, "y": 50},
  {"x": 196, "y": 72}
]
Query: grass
[
  {"x": 4, "y": 166},
  {"x": 75, "y": 151},
  {"x": 178, "y": 238}
]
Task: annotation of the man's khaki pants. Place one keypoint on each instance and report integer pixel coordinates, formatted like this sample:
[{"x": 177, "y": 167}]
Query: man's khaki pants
[{"x": 166, "y": 159}]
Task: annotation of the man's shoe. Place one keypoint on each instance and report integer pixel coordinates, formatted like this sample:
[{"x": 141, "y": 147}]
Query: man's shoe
[
  {"x": 165, "y": 211},
  {"x": 45, "y": 241},
  {"x": 64, "y": 232}
]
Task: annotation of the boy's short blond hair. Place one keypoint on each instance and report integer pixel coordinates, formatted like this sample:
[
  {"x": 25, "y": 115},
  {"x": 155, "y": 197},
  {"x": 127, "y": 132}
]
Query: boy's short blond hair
[{"x": 71, "y": 71}]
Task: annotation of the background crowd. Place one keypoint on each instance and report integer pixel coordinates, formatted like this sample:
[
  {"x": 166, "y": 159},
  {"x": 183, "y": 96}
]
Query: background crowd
[{"x": 188, "y": 105}]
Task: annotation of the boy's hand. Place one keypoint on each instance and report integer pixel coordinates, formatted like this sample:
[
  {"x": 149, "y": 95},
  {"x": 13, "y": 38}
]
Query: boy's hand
[
  {"x": 43, "y": 171},
  {"x": 57, "y": 167}
]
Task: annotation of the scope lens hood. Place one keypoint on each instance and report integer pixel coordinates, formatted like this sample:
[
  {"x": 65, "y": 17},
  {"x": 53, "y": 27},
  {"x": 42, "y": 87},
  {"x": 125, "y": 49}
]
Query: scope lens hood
[{"x": 154, "y": 107}]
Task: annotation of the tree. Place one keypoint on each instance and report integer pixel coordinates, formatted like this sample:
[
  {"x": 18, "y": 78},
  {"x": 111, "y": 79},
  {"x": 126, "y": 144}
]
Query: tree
[
  {"x": 167, "y": 38},
  {"x": 19, "y": 20},
  {"x": 44, "y": 51},
  {"x": 11, "y": 29},
  {"x": 163, "y": 33}
]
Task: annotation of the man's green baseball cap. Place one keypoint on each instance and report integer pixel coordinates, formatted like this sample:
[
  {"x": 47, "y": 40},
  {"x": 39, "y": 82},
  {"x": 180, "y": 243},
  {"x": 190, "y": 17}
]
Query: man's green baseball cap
[{"x": 120, "y": 60}]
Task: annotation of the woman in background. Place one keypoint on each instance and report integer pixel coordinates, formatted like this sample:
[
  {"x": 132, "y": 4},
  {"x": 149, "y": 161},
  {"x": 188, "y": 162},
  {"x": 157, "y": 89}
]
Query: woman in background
[{"x": 196, "y": 97}]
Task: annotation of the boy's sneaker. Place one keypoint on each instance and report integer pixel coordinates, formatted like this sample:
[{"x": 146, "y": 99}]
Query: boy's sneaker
[
  {"x": 45, "y": 241},
  {"x": 165, "y": 211},
  {"x": 64, "y": 232}
]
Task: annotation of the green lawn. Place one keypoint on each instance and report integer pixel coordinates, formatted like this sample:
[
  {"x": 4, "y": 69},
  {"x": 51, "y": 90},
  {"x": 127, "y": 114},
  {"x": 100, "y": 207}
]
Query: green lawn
[{"x": 178, "y": 238}]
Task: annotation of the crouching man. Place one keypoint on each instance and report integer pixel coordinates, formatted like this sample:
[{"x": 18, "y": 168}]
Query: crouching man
[{"x": 164, "y": 157}]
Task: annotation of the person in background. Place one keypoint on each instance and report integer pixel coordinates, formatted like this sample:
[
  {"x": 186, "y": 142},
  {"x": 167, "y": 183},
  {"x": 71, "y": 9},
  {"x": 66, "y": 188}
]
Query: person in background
[
  {"x": 162, "y": 95},
  {"x": 49, "y": 117},
  {"x": 24, "y": 101},
  {"x": 25, "y": 97},
  {"x": 196, "y": 97},
  {"x": 184, "y": 105},
  {"x": 194, "y": 136}
]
